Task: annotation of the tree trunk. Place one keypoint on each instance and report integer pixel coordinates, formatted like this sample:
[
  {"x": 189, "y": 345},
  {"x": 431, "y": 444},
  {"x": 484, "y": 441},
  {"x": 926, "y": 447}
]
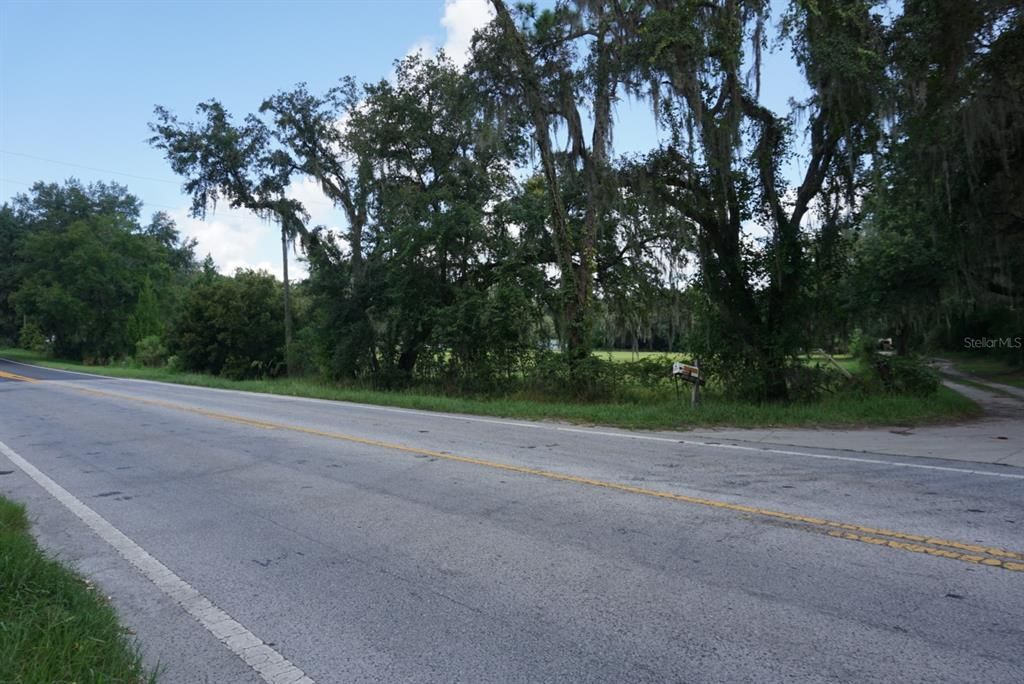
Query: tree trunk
[
  {"x": 287, "y": 305},
  {"x": 576, "y": 282},
  {"x": 775, "y": 388}
]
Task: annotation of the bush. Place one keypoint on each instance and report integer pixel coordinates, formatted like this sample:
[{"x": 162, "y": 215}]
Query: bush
[
  {"x": 231, "y": 326},
  {"x": 303, "y": 353},
  {"x": 905, "y": 375},
  {"x": 859, "y": 347},
  {"x": 649, "y": 373},
  {"x": 31, "y": 337},
  {"x": 808, "y": 383},
  {"x": 150, "y": 351},
  {"x": 552, "y": 374}
]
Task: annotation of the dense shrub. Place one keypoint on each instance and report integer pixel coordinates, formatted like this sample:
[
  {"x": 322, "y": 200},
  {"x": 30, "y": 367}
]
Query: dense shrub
[
  {"x": 649, "y": 373},
  {"x": 231, "y": 326},
  {"x": 807, "y": 383},
  {"x": 905, "y": 375},
  {"x": 150, "y": 351},
  {"x": 31, "y": 337}
]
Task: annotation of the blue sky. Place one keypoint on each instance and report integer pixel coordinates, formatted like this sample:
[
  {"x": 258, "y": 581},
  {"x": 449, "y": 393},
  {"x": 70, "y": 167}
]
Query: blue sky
[{"x": 79, "y": 80}]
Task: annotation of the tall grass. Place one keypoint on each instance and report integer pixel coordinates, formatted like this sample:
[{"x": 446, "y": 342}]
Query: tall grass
[{"x": 53, "y": 626}]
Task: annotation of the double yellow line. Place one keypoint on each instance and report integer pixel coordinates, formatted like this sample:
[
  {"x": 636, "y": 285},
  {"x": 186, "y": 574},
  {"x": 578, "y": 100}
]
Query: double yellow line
[
  {"x": 915, "y": 543},
  {"x": 15, "y": 376}
]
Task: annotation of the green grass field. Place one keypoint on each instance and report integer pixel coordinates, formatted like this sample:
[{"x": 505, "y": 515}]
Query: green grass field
[
  {"x": 622, "y": 355},
  {"x": 54, "y": 627},
  {"x": 662, "y": 413}
]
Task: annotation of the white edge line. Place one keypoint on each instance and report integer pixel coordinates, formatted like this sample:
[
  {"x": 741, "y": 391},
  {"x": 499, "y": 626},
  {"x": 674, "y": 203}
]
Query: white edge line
[
  {"x": 557, "y": 428},
  {"x": 268, "y": 663}
]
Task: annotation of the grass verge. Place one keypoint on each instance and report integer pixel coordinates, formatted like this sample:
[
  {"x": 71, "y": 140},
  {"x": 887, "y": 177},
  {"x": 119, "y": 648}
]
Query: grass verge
[
  {"x": 54, "y": 627},
  {"x": 991, "y": 367},
  {"x": 671, "y": 413}
]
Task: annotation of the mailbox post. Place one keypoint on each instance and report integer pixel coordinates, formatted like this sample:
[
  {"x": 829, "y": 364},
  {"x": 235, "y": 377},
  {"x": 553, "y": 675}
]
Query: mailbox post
[{"x": 695, "y": 396}]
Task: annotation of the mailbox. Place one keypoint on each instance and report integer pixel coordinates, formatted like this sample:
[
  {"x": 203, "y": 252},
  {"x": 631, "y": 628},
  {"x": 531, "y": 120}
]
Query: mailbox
[{"x": 684, "y": 371}]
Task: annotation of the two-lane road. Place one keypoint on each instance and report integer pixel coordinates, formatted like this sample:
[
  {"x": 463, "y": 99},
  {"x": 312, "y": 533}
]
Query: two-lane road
[{"x": 257, "y": 538}]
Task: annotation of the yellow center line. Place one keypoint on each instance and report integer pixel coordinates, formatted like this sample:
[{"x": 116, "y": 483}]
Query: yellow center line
[
  {"x": 15, "y": 376},
  {"x": 915, "y": 543}
]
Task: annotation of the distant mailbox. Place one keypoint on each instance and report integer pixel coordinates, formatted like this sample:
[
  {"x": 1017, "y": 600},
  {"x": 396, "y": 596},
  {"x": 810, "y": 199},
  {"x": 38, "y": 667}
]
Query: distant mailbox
[{"x": 684, "y": 371}]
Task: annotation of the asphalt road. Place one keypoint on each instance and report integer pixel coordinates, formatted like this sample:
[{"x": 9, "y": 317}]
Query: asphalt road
[{"x": 349, "y": 543}]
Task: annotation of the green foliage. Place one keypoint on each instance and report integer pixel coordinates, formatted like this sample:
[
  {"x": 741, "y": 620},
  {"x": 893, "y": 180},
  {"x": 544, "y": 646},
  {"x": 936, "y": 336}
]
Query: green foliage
[
  {"x": 893, "y": 281},
  {"x": 82, "y": 283},
  {"x": 953, "y": 165},
  {"x": 648, "y": 373},
  {"x": 147, "y": 320},
  {"x": 31, "y": 337},
  {"x": 150, "y": 351},
  {"x": 809, "y": 383},
  {"x": 905, "y": 375},
  {"x": 237, "y": 163},
  {"x": 83, "y": 275},
  {"x": 722, "y": 166},
  {"x": 438, "y": 289},
  {"x": 12, "y": 230},
  {"x": 553, "y": 374},
  {"x": 859, "y": 346},
  {"x": 230, "y": 326}
]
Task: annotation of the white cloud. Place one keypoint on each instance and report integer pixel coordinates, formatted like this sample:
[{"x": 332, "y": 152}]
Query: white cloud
[
  {"x": 238, "y": 239},
  {"x": 423, "y": 47},
  {"x": 461, "y": 19},
  {"x": 307, "y": 190}
]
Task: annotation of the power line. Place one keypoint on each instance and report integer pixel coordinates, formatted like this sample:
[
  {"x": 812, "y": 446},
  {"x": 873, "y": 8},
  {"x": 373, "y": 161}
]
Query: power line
[
  {"x": 90, "y": 168},
  {"x": 321, "y": 203},
  {"x": 144, "y": 202}
]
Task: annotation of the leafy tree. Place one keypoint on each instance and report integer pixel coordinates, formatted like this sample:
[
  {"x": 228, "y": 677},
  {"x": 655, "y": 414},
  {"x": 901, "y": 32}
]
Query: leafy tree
[
  {"x": 82, "y": 271},
  {"x": 237, "y": 163},
  {"x": 81, "y": 285},
  {"x": 720, "y": 174},
  {"x": 56, "y": 206},
  {"x": 310, "y": 127},
  {"x": 147, "y": 320},
  {"x": 12, "y": 230},
  {"x": 436, "y": 244},
  {"x": 953, "y": 164},
  {"x": 537, "y": 62},
  {"x": 181, "y": 254},
  {"x": 893, "y": 281}
]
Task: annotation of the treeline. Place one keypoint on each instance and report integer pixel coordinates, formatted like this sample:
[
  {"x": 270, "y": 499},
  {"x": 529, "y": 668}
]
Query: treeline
[
  {"x": 493, "y": 239},
  {"x": 82, "y": 276},
  {"x": 85, "y": 279}
]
